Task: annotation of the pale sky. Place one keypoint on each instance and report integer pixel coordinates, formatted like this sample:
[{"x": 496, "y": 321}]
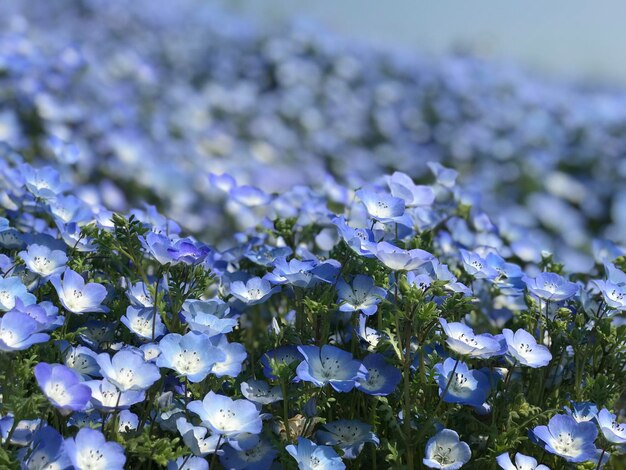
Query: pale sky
[{"x": 569, "y": 38}]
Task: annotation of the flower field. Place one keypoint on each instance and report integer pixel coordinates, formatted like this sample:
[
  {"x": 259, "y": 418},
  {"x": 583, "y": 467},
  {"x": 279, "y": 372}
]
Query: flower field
[{"x": 229, "y": 246}]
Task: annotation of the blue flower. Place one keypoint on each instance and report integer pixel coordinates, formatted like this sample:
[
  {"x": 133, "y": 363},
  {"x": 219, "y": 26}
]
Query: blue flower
[
  {"x": 259, "y": 457},
  {"x": 196, "y": 439},
  {"x": 582, "y": 411},
  {"x": 330, "y": 365},
  {"x": 128, "y": 422},
  {"x": 446, "y": 451},
  {"x": 381, "y": 206},
  {"x": 43, "y": 183},
  {"x": 462, "y": 340},
  {"x": 382, "y": 378},
  {"x": 81, "y": 359},
  {"x": 522, "y": 462},
  {"x": 477, "y": 267},
  {"x": 47, "y": 451},
  {"x": 235, "y": 354},
  {"x": 358, "y": 239},
  {"x": 551, "y": 287},
  {"x": 144, "y": 322},
  {"x": 192, "y": 355},
  {"x": 567, "y": 438},
  {"x": 232, "y": 419},
  {"x": 402, "y": 186},
  {"x": 208, "y": 316},
  {"x": 613, "y": 431},
  {"x": 18, "y": 331},
  {"x": 303, "y": 273},
  {"x": 349, "y": 435},
  {"x": 11, "y": 289},
  {"x": 259, "y": 391},
  {"x": 90, "y": 450},
  {"x": 128, "y": 370},
  {"x": 310, "y": 455},
  {"x": 523, "y": 347},
  {"x": 188, "y": 463},
  {"x": 397, "y": 259},
  {"x": 106, "y": 397},
  {"x": 44, "y": 260},
  {"x": 254, "y": 291},
  {"x": 46, "y": 314},
  {"x": 613, "y": 294},
  {"x": 467, "y": 387},
  {"x": 283, "y": 355},
  {"x": 361, "y": 296},
  {"x": 76, "y": 296},
  {"x": 62, "y": 386}
]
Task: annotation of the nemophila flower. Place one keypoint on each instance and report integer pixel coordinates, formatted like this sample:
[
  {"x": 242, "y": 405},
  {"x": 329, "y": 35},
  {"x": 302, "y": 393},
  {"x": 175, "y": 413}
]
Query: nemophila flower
[
  {"x": 46, "y": 314},
  {"x": 76, "y": 296},
  {"x": 144, "y": 322},
  {"x": 44, "y": 183},
  {"x": 128, "y": 370},
  {"x": 281, "y": 356},
  {"x": 62, "y": 386},
  {"x": 349, "y": 435},
  {"x": 81, "y": 359},
  {"x": 196, "y": 439},
  {"x": 188, "y": 463},
  {"x": 160, "y": 248},
  {"x": 567, "y": 438},
  {"x": 128, "y": 422},
  {"x": 259, "y": 391},
  {"x": 381, "y": 206},
  {"x": 259, "y": 457},
  {"x": 46, "y": 451},
  {"x": 477, "y": 266},
  {"x": 613, "y": 431},
  {"x": 358, "y": 239},
  {"x": 188, "y": 251},
  {"x": 402, "y": 186},
  {"x": 523, "y": 347},
  {"x": 613, "y": 294},
  {"x": 249, "y": 196},
  {"x": 74, "y": 237},
  {"x": 445, "y": 176},
  {"x": 23, "y": 432},
  {"x": 551, "y": 287},
  {"x": 467, "y": 387},
  {"x": 97, "y": 334},
  {"x": 330, "y": 365},
  {"x": 254, "y": 291},
  {"x": 43, "y": 260},
  {"x": 311, "y": 456},
  {"x": 232, "y": 419},
  {"x": 69, "y": 209},
  {"x": 303, "y": 273},
  {"x": 12, "y": 288},
  {"x": 382, "y": 378},
  {"x": 462, "y": 340},
  {"x": 397, "y": 259},
  {"x": 446, "y": 451},
  {"x": 208, "y": 316},
  {"x": 522, "y": 462},
  {"x": 150, "y": 351},
  {"x": 234, "y": 355},
  {"x": 582, "y": 411},
  {"x": 361, "y": 295},
  {"x": 89, "y": 450},
  {"x": 107, "y": 397},
  {"x": 18, "y": 331},
  {"x": 192, "y": 355},
  {"x": 139, "y": 295}
]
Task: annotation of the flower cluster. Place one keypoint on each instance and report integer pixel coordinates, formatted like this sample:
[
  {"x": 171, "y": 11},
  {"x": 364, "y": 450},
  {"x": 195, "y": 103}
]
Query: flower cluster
[
  {"x": 349, "y": 319},
  {"x": 398, "y": 327}
]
